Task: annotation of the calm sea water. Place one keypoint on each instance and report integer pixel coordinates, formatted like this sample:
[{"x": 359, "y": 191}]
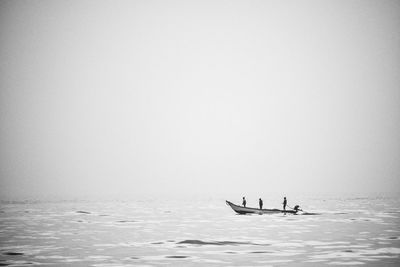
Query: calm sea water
[{"x": 358, "y": 231}]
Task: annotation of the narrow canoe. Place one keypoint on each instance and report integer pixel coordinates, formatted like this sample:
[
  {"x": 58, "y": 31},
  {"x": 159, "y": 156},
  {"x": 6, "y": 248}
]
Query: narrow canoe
[{"x": 245, "y": 210}]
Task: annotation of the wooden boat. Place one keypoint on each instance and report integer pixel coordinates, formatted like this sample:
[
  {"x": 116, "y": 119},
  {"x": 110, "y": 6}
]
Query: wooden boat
[{"x": 246, "y": 210}]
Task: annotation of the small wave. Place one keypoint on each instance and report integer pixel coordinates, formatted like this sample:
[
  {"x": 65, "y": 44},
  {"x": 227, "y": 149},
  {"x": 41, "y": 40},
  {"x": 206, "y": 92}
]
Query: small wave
[
  {"x": 83, "y": 212},
  {"x": 215, "y": 243},
  {"x": 126, "y": 221},
  {"x": 13, "y": 253},
  {"x": 177, "y": 257}
]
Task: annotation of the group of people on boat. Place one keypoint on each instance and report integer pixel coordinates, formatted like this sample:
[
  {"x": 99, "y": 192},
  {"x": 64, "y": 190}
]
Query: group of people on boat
[{"x": 260, "y": 203}]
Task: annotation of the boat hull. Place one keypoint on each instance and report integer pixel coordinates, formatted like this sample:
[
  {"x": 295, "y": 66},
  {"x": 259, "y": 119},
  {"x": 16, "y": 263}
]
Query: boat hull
[{"x": 245, "y": 210}]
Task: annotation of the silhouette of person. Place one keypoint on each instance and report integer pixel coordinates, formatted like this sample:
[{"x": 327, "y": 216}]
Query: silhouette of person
[
  {"x": 284, "y": 203},
  {"x": 260, "y": 202},
  {"x": 244, "y": 202},
  {"x": 296, "y": 208}
]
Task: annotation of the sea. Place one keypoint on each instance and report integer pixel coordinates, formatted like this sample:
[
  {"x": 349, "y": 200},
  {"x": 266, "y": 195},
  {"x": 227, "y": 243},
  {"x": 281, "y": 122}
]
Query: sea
[{"x": 204, "y": 231}]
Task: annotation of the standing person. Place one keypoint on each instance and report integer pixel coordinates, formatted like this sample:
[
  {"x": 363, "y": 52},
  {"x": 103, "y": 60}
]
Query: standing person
[
  {"x": 244, "y": 202},
  {"x": 284, "y": 203},
  {"x": 260, "y": 202}
]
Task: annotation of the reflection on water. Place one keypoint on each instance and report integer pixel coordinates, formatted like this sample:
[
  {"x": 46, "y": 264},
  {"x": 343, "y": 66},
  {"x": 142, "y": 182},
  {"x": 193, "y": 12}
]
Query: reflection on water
[{"x": 341, "y": 232}]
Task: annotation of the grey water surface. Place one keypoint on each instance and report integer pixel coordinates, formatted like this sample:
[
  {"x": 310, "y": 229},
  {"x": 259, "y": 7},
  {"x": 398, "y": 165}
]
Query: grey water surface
[{"x": 201, "y": 232}]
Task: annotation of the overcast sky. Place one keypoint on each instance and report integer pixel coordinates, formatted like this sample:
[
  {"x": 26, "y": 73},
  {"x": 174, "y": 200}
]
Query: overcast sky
[{"x": 199, "y": 97}]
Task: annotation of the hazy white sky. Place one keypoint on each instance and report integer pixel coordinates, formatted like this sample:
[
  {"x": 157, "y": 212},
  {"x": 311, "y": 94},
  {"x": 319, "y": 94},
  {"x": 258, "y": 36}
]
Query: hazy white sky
[{"x": 214, "y": 97}]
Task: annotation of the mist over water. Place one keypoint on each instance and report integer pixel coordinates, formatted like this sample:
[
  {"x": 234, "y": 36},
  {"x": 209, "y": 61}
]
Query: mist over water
[
  {"x": 147, "y": 97},
  {"x": 198, "y": 232}
]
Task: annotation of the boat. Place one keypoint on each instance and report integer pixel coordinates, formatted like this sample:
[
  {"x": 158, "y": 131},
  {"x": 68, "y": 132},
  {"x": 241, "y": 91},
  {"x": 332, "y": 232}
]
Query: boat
[{"x": 246, "y": 210}]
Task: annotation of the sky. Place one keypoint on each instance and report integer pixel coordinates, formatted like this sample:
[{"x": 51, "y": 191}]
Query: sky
[{"x": 250, "y": 98}]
